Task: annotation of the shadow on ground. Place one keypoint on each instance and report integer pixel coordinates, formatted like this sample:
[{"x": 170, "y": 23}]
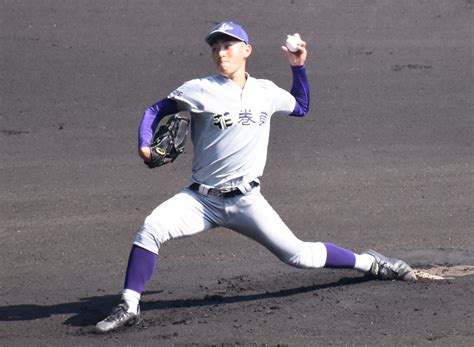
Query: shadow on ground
[{"x": 87, "y": 311}]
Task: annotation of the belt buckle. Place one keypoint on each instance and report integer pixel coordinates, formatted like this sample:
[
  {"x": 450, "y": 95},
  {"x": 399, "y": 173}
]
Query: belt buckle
[
  {"x": 224, "y": 191},
  {"x": 216, "y": 192}
]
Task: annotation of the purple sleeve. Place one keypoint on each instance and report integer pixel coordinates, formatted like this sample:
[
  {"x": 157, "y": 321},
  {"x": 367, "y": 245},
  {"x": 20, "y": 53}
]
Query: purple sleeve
[
  {"x": 300, "y": 90},
  {"x": 151, "y": 119}
]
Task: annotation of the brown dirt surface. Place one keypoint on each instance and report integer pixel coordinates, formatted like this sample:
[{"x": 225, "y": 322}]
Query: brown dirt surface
[{"x": 384, "y": 161}]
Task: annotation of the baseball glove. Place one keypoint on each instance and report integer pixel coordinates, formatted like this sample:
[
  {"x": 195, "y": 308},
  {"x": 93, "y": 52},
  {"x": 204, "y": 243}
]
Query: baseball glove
[{"x": 168, "y": 141}]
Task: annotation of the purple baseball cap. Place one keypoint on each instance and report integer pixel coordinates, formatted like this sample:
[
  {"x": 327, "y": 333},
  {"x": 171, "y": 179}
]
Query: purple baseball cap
[{"x": 232, "y": 29}]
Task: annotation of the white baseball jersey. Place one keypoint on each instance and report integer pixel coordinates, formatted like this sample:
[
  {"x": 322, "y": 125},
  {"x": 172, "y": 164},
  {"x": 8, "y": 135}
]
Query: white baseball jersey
[
  {"x": 230, "y": 132},
  {"x": 230, "y": 126}
]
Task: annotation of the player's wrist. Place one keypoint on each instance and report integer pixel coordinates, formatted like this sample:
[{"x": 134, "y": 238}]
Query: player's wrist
[{"x": 145, "y": 153}]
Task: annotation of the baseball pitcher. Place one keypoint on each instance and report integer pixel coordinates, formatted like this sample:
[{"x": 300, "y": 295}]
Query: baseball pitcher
[{"x": 231, "y": 113}]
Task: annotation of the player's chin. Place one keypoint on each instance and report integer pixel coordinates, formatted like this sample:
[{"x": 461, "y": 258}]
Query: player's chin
[
  {"x": 224, "y": 69},
  {"x": 224, "y": 73}
]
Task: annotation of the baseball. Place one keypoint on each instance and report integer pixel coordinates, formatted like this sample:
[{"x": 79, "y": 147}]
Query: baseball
[{"x": 292, "y": 43}]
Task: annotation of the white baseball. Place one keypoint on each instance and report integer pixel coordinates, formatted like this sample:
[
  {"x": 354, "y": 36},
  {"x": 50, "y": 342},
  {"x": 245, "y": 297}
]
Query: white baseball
[{"x": 292, "y": 43}]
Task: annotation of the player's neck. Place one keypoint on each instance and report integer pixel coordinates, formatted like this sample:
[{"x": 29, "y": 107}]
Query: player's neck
[{"x": 240, "y": 77}]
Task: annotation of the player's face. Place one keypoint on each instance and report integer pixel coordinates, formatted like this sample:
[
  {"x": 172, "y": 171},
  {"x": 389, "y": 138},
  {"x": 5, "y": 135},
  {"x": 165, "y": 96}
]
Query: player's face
[{"x": 229, "y": 56}]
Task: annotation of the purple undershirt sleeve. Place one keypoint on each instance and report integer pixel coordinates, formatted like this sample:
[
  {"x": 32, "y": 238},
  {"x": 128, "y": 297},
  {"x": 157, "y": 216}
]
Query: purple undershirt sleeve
[
  {"x": 300, "y": 90},
  {"x": 151, "y": 119}
]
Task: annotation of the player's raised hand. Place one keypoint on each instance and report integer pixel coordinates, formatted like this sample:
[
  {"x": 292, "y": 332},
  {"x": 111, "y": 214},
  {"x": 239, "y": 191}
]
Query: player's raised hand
[{"x": 297, "y": 58}]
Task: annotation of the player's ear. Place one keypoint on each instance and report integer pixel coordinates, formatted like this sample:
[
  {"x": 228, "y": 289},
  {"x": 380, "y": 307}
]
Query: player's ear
[{"x": 248, "y": 50}]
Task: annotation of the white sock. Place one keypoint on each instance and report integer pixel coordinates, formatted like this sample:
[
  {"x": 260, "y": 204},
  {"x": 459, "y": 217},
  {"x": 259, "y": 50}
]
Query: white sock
[
  {"x": 363, "y": 262},
  {"x": 132, "y": 298}
]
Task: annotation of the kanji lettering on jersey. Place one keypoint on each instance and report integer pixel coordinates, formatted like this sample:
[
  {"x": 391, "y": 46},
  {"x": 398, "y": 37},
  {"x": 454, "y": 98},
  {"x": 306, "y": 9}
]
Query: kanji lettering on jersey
[
  {"x": 222, "y": 121},
  {"x": 246, "y": 117}
]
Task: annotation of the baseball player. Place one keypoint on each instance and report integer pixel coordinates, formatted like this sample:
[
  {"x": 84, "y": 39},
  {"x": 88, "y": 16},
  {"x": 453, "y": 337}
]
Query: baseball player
[{"x": 230, "y": 124}]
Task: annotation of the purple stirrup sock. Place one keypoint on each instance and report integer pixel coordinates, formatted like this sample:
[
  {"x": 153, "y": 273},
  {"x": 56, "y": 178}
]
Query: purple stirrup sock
[
  {"x": 338, "y": 257},
  {"x": 141, "y": 264}
]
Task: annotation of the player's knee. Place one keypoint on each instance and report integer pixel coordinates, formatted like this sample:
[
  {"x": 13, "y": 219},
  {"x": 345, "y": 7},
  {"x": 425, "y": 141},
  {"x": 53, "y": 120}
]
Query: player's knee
[
  {"x": 296, "y": 260},
  {"x": 309, "y": 255},
  {"x": 160, "y": 232},
  {"x": 147, "y": 240},
  {"x": 152, "y": 234}
]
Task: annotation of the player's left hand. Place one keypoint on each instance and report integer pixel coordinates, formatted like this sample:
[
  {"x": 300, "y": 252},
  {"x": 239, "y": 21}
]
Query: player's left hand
[{"x": 297, "y": 58}]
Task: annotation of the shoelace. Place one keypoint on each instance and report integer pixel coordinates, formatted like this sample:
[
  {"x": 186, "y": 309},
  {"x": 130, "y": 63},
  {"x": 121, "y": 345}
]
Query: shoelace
[{"x": 118, "y": 313}]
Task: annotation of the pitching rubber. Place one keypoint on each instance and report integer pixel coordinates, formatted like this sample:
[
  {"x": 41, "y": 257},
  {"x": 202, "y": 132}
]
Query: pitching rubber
[{"x": 427, "y": 276}]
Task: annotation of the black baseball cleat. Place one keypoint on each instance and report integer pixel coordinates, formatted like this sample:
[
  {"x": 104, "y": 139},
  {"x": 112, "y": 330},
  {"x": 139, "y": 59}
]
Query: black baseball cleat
[
  {"x": 385, "y": 268},
  {"x": 118, "y": 318}
]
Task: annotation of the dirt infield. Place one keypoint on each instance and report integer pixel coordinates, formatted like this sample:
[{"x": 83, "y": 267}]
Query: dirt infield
[{"x": 384, "y": 160}]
